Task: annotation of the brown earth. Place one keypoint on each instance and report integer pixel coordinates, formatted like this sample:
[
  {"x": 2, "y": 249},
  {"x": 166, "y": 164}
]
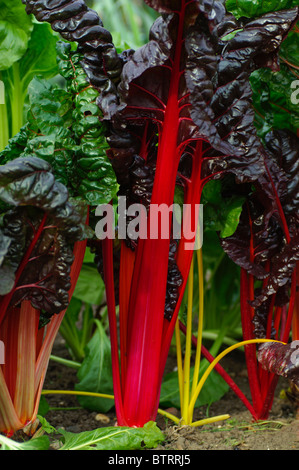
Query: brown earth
[{"x": 279, "y": 432}]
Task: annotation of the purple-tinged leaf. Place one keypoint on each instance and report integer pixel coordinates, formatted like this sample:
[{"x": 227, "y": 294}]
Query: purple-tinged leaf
[
  {"x": 266, "y": 242},
  {"x": 283, "y": 265},
  {"x": 281, "y": 359}
]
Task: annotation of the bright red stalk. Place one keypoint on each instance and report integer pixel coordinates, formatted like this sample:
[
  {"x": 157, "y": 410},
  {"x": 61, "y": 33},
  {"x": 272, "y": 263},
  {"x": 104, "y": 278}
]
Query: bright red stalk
[
  {"x": 250, "y": 350},
  {"x": 263, "y": 383},
  {"x": 147, "y": 303},
  {"x": 295, "y": 325},
  {"x": 127, "y": 262},
  {"x": 109, "y": 282},
  {"x": 184, "y": 257}
]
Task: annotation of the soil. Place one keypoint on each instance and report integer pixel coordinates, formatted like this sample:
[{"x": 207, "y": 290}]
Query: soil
[{"x": 279, "y": 432}]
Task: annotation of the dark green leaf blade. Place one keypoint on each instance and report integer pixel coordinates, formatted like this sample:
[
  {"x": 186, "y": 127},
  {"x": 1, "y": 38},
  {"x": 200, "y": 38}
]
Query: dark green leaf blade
[
  {"x": 214, "y": 389},
  {"x": 95, "y": 373}
]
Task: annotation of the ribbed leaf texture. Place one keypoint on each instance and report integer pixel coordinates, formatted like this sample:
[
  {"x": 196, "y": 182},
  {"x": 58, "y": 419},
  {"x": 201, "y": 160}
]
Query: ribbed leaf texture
[
  {"x": 38, "y": 230},
  {"x": 266, "y": 242},
  {"x": 179, "y": 113},
  {"x": 281, "y": 359},
  {"x": 77, "y": 23},
  {"x": 64, "y": 128},
  {"x": 212, "y": 98}
]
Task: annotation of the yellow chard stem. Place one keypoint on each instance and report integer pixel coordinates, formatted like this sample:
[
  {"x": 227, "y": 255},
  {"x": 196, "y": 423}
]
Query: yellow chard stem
[
  {"x": 215, "y": 361},
  {"x": 214, "y": 419},
  {"x": 200, "y": 321},
  {"x": 102, "y": 395},
  {"x": 187, "y": 358},
  {"x": 78, "y": 393},
  {"x": 179, "y": 361}
]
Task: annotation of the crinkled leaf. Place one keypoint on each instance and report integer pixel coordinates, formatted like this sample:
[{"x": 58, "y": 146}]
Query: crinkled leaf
[
  {"x": 253, "y": 8},
  {"x": 114, "y": 438},
  {"x": 15, "y": 30},
  {"x": 15, "y": 147},
  {"x": 77, "y": 23},
  {"x": 64, "y": 128},
  {"x": 265, "y": 243},
  {"x": 281, "y": 359},
  {"x": 283, "y": 265},
  {"x": 273, "y": 100},
  {"x": 214, "y": 92},
  {"x": 266, "y": 238},
  {"x": 42, "y": 227},
  {"x": 220, "y": 96},
  {"x": 185, "y": 71},
  {"x": 284, "y": 148},
  {"x": 212, "y": 119}
]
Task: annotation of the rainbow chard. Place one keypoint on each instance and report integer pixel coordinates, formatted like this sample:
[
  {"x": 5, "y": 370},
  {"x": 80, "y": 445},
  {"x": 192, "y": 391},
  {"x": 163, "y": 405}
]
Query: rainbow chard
[
  {"x": 265, "y": 245},
  {"x": 191, "y": 89},
  {"x": 178, "y": 113}
]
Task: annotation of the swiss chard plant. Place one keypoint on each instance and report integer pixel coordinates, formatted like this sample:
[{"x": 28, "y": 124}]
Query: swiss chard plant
[
  {"x": 269, "y": 298},
  {"x": 42, "y": 243},
  {"x": 52, "y": 171},
  {"x": 265, "y": 245},
  {"x": 169, "y": 118}
]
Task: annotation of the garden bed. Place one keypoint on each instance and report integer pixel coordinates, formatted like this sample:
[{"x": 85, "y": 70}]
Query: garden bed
[{"x": 280, "y": 432}]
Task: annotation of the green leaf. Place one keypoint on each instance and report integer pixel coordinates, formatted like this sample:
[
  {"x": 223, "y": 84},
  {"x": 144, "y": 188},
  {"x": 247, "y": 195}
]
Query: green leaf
[
  {"x": 47, "y": 427},
  {"x": 76, "y": 327},
  {"x": 272, "y": 100},
  {"x": 90, "y": 286},
  {"x": 254, "y": 8},
  {"x": 65, "y": 129},
  {"x": 290, "y": 49},
  {"x": 95, "y": 373},
  {"x": 43, "y": 406},
  {"x": 40, "y": 57},
  {"x": 114, "y": 438},
  {"x": 15, "y": 30},
  {"x": 38, "y": 443},
  {"x": 213, "y": 390},
  {"x": 221, "y": 213}
]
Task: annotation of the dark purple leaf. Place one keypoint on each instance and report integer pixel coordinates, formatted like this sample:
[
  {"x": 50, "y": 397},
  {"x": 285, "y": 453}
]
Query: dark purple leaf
[
  {"x": 284, "y": 148},
  {"x": 38, "y": 232},
  {"x": 267, "y": 238},
  {"x": 192, "y": 90},
  {"x": 283, "y": 265}
]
